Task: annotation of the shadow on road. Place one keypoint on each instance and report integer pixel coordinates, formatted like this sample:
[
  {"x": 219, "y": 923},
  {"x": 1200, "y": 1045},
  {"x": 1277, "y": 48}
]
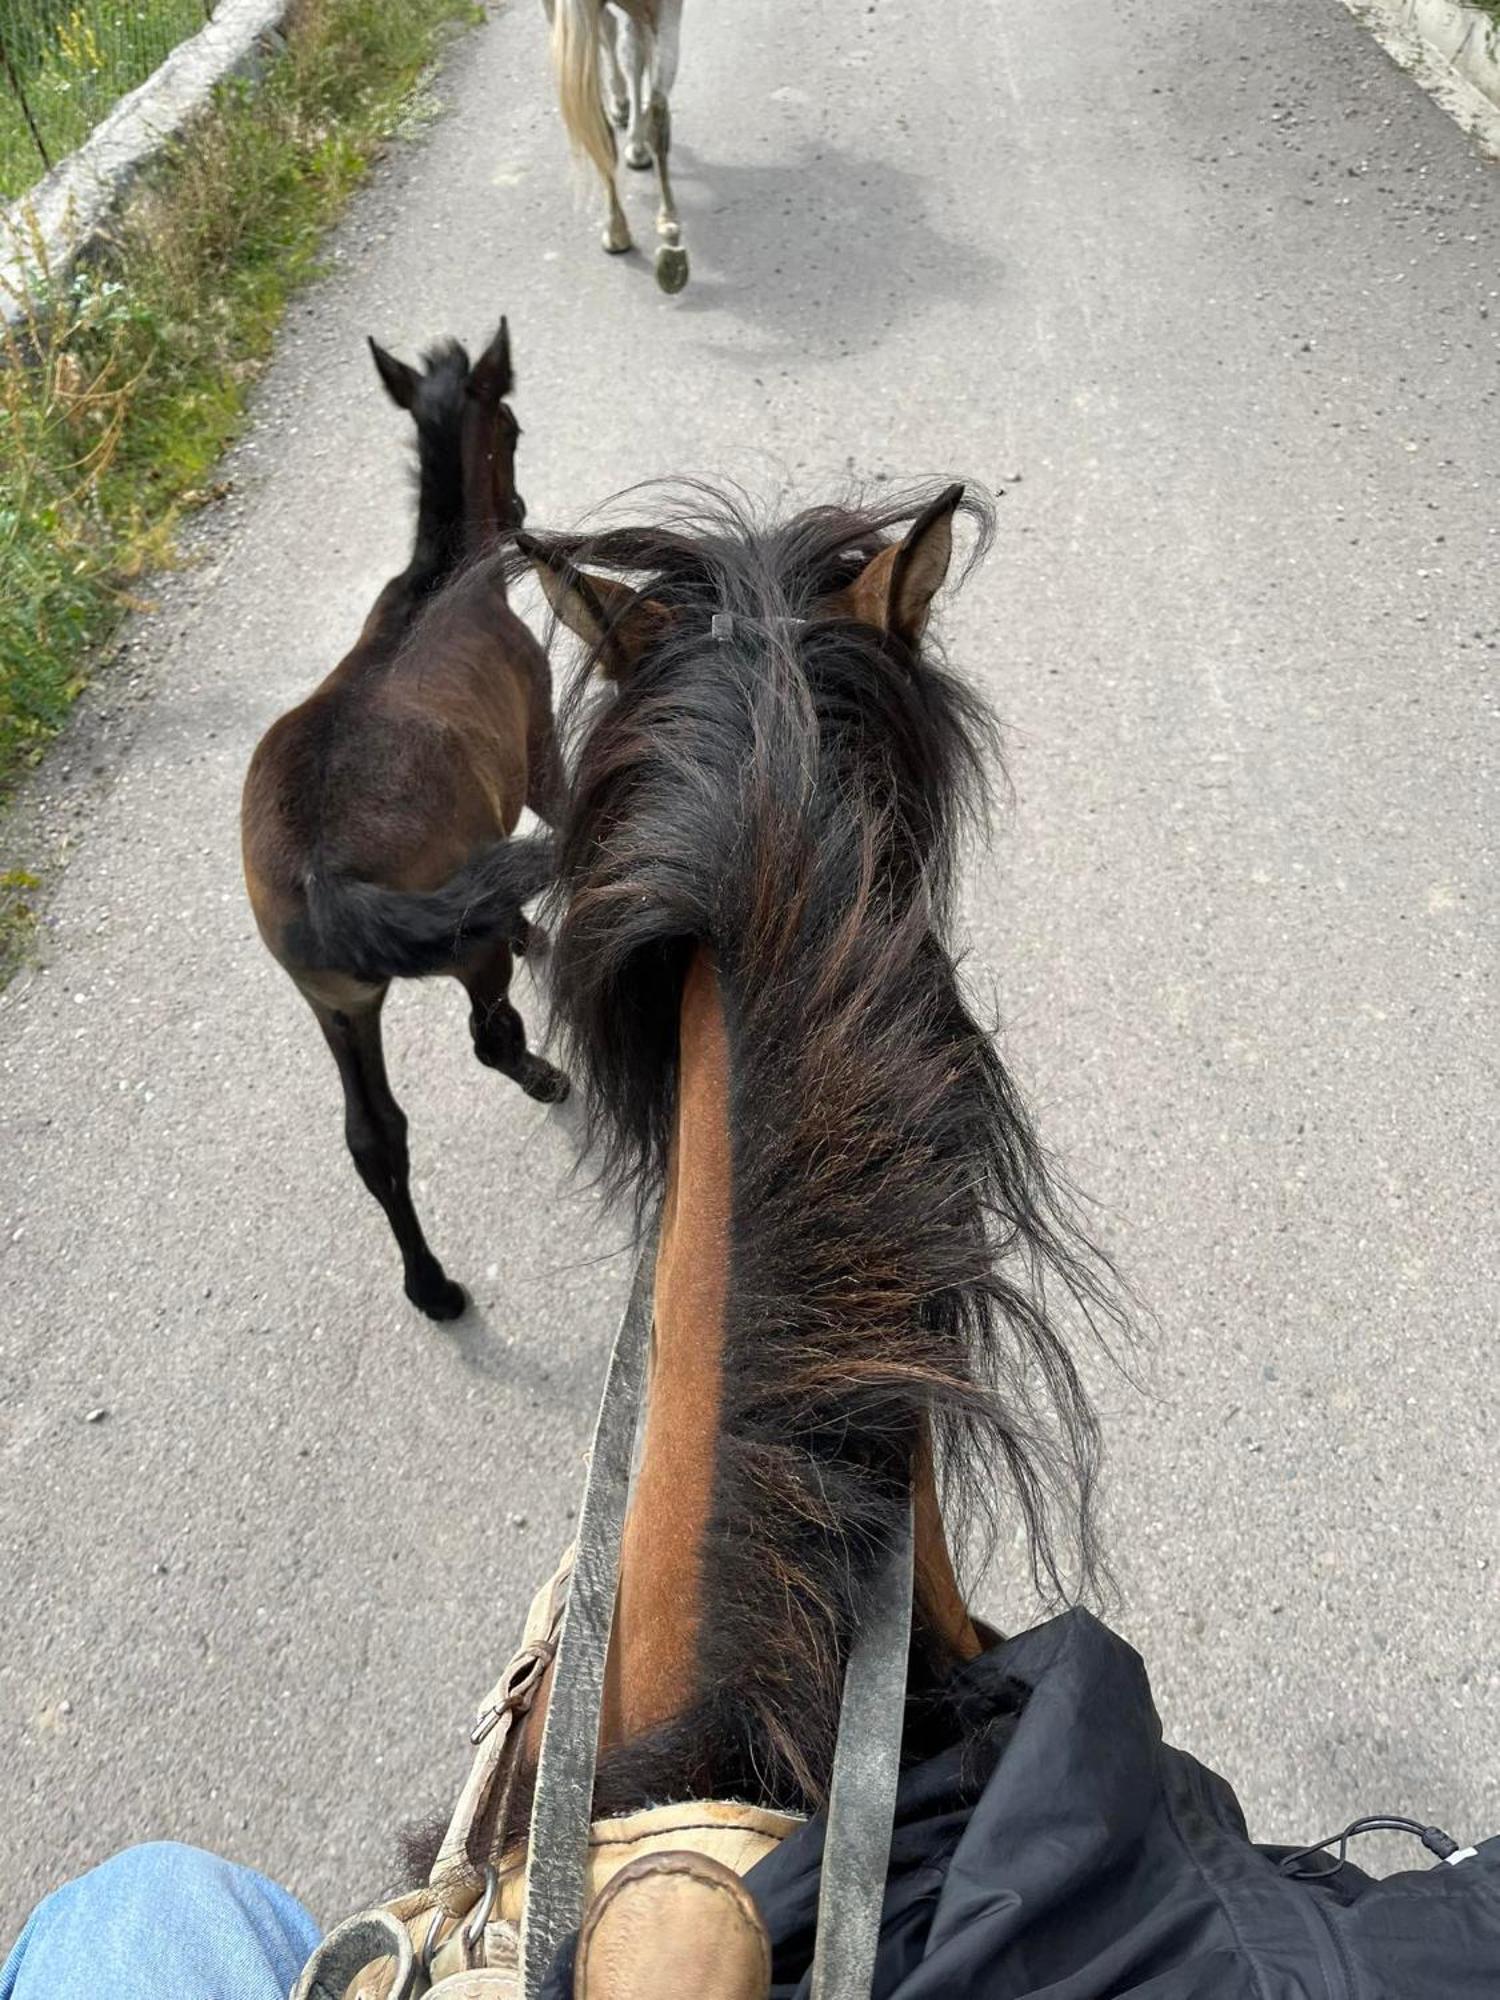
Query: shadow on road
[{"x": 822, "y": 254}]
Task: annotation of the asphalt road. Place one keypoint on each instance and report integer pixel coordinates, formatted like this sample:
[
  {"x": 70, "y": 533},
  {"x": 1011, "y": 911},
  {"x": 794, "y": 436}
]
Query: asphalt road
[{"x": 1213, "y": 295}]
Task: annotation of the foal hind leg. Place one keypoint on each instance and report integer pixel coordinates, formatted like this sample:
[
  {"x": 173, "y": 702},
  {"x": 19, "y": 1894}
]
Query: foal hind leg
[
  {"x": 375, "y": 1132},
  {"x": 499, "y": 1032}
]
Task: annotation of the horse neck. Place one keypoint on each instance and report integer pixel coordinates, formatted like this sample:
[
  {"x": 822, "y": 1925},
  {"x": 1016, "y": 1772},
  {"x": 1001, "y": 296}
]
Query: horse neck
[
  {"x": 439, "y": 543},
  {"x": 487, "y": 493},
  {"x": 664, "y": 1594}
]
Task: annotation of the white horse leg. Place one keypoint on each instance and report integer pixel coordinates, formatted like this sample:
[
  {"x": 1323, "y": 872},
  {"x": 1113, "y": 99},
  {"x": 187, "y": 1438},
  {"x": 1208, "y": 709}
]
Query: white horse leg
[
  {"x": 635, "y": 58},
  {"x": 616, "y": 234},
  {"x": 616, "y": 237},
  {"x": 671, "y": 258},
  {"x": 668, "y": 39},
  {"x": 614, "y": 76}
]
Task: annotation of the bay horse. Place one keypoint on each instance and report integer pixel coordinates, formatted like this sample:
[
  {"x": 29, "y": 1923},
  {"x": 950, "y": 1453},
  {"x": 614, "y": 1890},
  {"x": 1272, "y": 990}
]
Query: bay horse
[
  {"x": 635, "y": 44},
  {"x": 376, "y": 815},
  {"x": 861, "y": 1243}
]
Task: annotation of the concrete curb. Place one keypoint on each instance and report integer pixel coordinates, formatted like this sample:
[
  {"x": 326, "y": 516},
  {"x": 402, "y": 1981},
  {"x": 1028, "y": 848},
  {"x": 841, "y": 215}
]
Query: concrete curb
[
  {"x": 1462, "y": 36},
  {"x": 67, "y": 211},
  {"x": 1452, "y": 49}
]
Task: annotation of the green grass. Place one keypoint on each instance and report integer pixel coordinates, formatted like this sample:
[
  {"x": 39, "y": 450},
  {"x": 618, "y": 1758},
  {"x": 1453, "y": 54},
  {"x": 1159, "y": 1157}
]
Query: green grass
[
  {"x": 74, "y": 59},
  {"x": 121, "y": 389}
]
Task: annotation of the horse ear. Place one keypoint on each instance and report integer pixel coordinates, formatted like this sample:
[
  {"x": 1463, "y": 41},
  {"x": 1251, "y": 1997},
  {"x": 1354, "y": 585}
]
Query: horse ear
[
  {"x": 612, "y": 621},
  {"x": 895, "y": 589},
  {"x": 490, "y": 378},
  {"x": 400, "y": 380}
]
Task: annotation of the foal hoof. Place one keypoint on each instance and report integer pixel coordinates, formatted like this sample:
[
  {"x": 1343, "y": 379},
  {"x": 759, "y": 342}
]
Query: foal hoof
[
  {"x": 546, "y": 1084},
  {"x": 671, "y": 267},
  {"x": 638, "y": 155},
  {"x": 445, "y": 1300}
]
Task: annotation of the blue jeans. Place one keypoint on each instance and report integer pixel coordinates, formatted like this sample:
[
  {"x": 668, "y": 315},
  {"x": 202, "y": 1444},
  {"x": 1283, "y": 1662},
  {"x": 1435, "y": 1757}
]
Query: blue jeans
[{"x": 162, "y": 1921}]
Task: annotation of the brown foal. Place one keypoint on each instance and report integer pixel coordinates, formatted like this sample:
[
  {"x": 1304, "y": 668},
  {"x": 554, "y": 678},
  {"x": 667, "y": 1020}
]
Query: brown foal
[{"x": 377, "y": 814}]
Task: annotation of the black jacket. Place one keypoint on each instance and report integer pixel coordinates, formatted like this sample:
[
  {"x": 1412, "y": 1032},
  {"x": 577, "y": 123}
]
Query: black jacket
[
  {"x": 1064, "y": 1852},
  {"x": 1096, "y": 1863}
]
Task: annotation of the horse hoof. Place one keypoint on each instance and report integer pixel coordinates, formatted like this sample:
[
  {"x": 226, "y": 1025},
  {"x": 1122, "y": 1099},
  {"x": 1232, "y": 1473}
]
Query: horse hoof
[
  {"x": 615, "y": 243},
  {"x": 444, "y": 1301},
  {"x": 638, "y": 155},
  {"x": 671, "y": 267},
  {"x": 546, "y": 1084}
]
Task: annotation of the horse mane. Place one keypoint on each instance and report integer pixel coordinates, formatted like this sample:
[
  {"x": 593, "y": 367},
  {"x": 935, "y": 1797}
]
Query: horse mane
[
  {"x": 438, "y": 412},
  {"x": 792, "y": 797}
]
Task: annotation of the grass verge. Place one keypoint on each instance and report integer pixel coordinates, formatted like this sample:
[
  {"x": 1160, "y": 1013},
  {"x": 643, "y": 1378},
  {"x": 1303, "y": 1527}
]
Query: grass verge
[
  {"x": 120, "y": 390},
  {"x": 67, "y": 63}
]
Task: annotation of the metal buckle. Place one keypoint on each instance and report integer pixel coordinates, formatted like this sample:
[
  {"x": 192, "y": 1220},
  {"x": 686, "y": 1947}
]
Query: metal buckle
[
  {"x": 472, "y": 1934},
  {"x": 474, "y": 1930},
  {"x": 429, "y": 1949}
]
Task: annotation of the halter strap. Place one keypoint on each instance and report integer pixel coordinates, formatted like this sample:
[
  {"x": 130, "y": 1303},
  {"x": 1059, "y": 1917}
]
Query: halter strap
[{"x": 725, "y": 624}]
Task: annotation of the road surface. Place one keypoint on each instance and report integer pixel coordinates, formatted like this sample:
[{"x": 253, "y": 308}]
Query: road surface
[{"x": 1211, "y": 295}]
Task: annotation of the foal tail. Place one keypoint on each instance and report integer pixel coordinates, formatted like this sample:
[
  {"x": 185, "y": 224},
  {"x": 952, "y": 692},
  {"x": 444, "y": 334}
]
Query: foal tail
[
  {"x": 377, "y": 934},
  {"x": 576, "y": 29}
]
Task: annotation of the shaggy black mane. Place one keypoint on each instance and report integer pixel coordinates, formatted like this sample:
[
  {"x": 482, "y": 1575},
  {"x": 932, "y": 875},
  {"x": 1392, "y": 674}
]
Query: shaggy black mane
[
  {"x": 791, "y": 797},
  {"x": 438, "y": 412}
]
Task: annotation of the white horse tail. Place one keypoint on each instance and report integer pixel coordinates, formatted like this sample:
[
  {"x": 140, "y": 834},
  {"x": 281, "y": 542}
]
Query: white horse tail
[{"x": 576, "y": 26}]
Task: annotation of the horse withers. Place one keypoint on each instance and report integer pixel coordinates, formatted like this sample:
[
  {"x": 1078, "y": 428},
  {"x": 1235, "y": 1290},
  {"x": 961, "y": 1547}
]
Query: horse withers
[
  {"x": 377, "y": 815},
  {"x": 634, "y": 44}
]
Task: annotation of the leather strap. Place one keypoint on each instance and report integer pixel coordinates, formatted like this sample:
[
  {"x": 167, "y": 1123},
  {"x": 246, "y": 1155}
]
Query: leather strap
[
  {"x": 862, "y": 1792},
  {"x": 457, "y": 1876},
  {"x": 562, "y": 1805}
]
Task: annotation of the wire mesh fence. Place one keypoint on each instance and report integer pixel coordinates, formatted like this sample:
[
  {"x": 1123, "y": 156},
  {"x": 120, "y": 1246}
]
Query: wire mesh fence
[{"x": 64, "y": 64}]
